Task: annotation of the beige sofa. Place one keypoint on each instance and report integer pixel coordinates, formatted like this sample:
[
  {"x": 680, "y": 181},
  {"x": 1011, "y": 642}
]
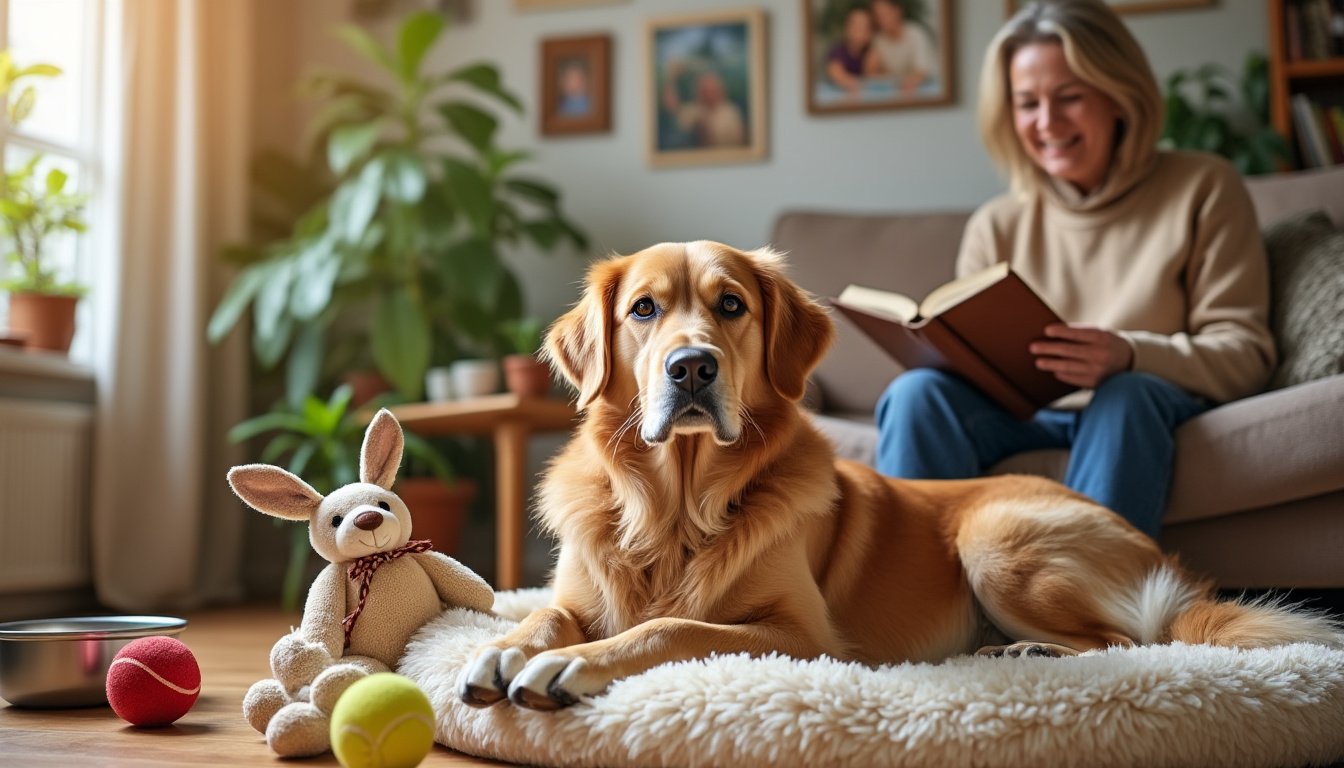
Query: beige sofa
[{"x": 1258, "y": 494}]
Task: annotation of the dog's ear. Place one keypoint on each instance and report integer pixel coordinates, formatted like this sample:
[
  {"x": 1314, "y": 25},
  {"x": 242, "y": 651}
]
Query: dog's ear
[
  {"x": 798, "y": 330},
  {"x": 578, "y": 343}
]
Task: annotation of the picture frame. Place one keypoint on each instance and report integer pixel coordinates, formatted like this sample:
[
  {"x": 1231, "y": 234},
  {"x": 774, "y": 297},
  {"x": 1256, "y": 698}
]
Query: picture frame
[
  {"x": 1129, "y": 6},
  {"x": 575, "y": 85},
  {"x": 555, "y": 5},
  {"x": 878, "y": 54},
  {"x": 706, "y": 86}
]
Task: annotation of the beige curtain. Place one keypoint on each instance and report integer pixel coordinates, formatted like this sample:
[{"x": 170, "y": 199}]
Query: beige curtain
[{"x": 166, "y": 531}]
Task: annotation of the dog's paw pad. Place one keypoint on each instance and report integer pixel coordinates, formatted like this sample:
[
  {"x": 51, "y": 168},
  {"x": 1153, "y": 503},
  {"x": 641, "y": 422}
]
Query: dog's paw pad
[{"x": 1027, "y": 650}]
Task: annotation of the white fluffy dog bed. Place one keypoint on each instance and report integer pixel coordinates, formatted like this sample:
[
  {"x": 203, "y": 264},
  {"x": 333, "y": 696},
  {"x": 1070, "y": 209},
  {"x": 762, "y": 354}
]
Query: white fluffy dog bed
[{"x": 1178, "y": 705}]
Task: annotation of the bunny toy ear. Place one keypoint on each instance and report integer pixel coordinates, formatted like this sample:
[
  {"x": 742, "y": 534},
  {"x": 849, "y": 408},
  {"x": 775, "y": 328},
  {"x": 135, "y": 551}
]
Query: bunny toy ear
[
  {"x": 381, "y": 454},
  {"x": 274, "y": 491}
]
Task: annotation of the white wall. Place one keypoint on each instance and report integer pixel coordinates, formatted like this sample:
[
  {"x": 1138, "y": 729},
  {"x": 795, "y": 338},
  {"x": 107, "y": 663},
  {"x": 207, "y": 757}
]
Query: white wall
[{"x": 918, "y": 159}]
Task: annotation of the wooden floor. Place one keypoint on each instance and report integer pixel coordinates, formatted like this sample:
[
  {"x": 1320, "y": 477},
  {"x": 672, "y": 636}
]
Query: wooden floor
[{"x": 231, "y": 646}]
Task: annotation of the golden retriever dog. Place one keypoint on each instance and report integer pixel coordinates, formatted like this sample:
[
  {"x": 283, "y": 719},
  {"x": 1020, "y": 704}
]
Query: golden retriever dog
[{"x": 699, "y": 511}]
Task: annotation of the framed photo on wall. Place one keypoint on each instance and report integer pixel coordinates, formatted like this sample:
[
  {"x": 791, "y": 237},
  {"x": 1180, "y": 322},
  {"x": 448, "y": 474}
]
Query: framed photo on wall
[
  {"x": 877, "y": 54},
  {"x": 575, "y": 85},
  {"x": 552, "y": 5},
  {"x": 1130, "y": 6},
  {"x": 706, "y": 86}
]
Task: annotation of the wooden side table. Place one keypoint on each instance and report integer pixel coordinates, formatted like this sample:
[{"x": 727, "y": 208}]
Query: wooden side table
[{"x": 508, "y": 420}]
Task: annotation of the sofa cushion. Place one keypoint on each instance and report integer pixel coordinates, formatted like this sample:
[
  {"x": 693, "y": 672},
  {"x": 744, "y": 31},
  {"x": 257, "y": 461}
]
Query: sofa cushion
[{"x": 1306, "y": 255}]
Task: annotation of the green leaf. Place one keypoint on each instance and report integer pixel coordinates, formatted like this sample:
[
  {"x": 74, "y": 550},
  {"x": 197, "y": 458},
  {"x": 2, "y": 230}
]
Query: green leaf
[
  {"x": 538, "y": 191},
  {"x": 472, "y": 268},
  {"x": 305, "y": 362},
  {"x": 476, "y": 126},
  {"x": 485, "y": 78},
  {"x": 266, "y": 422},
  {"x": 40, "y": 70},
  {"x": 272, "y": 301},
  {"x": 22, "y": 107},
  {"x": 401, "y": 342},
  {"x": 545, "y": 233},
  {"x": 405, "y": 179},
  {"x": 279, "y": 446},
  {"x": 500, "y": 161},
  {"x": 351, "y": 143},
  {"x": 318, "y": 267},
  {"x": 270, "y": 349},
  {"x": 239, "y": 294},
  {"x": 56, "y": 179},
  {"x": 367, "y": 46},
  {"x": 470, "y": 193},
  {"x": 418, "y": 34},
  {"x": 356, "y": 201}
]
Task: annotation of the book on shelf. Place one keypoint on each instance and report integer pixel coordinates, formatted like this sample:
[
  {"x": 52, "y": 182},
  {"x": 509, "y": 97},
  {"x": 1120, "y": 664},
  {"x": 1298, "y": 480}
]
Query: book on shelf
[
  {"x": 978, "y": 327},
  {"x": 1317, "y": 141}
]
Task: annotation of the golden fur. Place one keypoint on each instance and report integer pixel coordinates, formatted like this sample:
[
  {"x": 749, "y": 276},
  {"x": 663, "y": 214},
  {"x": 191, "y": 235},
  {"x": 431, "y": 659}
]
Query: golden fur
[{"x": 699, "y": 511}]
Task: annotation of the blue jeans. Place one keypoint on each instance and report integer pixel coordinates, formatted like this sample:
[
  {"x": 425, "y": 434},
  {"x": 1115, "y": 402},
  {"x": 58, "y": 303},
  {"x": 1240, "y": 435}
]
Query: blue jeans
[{"x": 935, "y": 425}]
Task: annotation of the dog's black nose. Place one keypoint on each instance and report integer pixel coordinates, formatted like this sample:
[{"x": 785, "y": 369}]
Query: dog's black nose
[{"x": 691, "y": 368}]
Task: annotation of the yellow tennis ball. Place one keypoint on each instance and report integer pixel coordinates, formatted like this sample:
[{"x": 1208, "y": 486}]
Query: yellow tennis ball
[{"x": 382, "y": 721}]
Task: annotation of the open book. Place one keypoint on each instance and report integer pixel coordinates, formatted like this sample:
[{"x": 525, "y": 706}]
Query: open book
[{"x": 978, "y": 327}]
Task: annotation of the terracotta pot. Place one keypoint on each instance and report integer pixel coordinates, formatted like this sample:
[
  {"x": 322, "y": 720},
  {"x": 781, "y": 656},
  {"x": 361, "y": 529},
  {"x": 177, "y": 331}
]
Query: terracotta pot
[
  {"x": 438, "y": 510},
  {"x": 48, "y": 322},
  {"x": 526, "y": 376},
  {"x": 366, "y": 385}
]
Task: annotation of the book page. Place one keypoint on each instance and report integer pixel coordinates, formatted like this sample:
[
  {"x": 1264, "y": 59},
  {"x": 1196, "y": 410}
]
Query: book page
[
  {"x": 893, "y": 305},
  {"x": 953, "y": 293}
]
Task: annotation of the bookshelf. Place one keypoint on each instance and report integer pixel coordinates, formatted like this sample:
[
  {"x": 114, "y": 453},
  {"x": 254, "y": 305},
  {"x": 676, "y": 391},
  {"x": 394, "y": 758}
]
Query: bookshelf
[{"x": 1295, "y": 68}]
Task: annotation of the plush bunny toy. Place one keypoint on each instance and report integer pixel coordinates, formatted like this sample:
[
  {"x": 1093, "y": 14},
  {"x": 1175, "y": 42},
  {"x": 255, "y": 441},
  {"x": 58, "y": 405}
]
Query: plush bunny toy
[{"x": 379, "y": 588}]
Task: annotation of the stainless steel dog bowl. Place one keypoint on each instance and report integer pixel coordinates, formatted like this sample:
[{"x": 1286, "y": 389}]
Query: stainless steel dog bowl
[{"x": 63, "y": 662}]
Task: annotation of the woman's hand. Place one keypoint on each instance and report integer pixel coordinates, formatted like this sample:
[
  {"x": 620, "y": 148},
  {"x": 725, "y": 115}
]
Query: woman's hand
[{"x": 1082, "y": 355}]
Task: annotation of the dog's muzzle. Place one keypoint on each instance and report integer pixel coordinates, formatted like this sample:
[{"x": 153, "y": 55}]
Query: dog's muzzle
[{"x": 692, "y": 400}]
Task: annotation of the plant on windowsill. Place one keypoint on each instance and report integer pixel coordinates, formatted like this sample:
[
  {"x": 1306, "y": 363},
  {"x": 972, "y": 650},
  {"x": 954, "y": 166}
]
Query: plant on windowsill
[
  {"x": 34, "y": 207},
  {"x": 1215, "y": 110},
  {"x": 319, "y": 441}
]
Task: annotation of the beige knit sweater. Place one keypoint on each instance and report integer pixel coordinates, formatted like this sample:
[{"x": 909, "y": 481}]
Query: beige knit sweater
[{"x": 1172, "y": 260}]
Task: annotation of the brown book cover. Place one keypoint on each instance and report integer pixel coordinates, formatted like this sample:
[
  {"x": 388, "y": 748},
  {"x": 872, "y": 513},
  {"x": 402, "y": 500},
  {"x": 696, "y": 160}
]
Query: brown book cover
[{"x": 978, "y": 327}]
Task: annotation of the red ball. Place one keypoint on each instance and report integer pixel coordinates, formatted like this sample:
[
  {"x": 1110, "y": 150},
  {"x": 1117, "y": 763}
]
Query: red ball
[{"x": 153, "y": 681}]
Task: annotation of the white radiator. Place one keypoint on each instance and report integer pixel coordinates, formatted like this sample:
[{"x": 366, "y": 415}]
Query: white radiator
[{"x": 45, "y": 476}]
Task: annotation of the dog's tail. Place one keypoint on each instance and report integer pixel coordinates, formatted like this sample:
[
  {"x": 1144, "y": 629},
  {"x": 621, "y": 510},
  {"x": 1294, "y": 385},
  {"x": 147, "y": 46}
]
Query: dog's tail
[{"x": 1170, "y": 606}]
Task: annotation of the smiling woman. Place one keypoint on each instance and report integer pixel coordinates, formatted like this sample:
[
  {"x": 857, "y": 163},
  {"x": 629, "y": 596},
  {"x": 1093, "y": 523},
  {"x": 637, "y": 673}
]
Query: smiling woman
[{"x": 1151, "y": 258}]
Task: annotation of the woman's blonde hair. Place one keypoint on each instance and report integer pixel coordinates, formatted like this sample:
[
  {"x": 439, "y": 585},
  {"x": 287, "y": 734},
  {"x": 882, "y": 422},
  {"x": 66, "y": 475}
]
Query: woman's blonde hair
[{"x": 1102, "y": 53}]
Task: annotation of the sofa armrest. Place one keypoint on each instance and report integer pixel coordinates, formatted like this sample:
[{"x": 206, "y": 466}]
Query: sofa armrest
[{"x": 1264, "y": 450}]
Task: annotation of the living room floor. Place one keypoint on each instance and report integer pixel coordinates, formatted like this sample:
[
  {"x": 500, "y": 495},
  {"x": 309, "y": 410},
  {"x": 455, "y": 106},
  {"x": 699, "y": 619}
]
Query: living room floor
[{"x": 231, "y": 646}]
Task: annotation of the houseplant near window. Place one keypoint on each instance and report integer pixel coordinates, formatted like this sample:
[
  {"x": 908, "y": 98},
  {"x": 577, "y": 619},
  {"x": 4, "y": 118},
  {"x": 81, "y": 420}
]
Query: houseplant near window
[
  {"x": 35, "y": 205},
  {"x": 1214, "y": 109},
  {"x": 402, "y": 258}
]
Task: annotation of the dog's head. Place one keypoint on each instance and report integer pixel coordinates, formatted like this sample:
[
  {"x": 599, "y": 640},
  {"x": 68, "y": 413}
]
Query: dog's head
[{"x": 690, "y": 337}]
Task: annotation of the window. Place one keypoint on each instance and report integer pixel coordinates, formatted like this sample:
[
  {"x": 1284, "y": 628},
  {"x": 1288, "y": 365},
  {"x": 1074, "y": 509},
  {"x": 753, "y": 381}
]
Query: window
[{"x": 63, "y": 123}]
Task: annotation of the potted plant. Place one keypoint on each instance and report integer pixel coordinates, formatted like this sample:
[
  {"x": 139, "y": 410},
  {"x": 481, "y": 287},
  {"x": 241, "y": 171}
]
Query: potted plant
[
  {"x": 35, "y": 205},
  {"x": 400, "y": 258},
  {"x": 1215, "y": 110},
  {"x": 319, "y": 441},
  {"x": 525, "y": 374}
]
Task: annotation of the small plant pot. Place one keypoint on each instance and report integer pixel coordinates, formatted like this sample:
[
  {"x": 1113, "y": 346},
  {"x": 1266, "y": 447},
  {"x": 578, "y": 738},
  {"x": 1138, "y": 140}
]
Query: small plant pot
[
  {"x": 48, "y": 322},
  {"x": 475, "y": 378},
  {"x": 439, "y": 384},
  {"x": 438, "y": 509},
  {"x": 365, "y": 386},
  {"x": 526, "y": 376}
]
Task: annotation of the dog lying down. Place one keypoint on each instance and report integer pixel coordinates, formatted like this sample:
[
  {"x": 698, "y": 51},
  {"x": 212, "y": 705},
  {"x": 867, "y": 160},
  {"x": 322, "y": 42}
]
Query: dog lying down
[{"x": 699, "y": 511}]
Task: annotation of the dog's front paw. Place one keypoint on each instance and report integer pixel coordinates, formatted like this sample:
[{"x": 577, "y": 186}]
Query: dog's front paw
[
  {"x": 555, "y": 680},
  {"x": 486, "y": 677}
]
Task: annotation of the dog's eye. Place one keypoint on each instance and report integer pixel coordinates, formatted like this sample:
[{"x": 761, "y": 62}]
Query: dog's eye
[
  {"x": 731, "y": 305},
  {"x": 336, "y": 521},
  {"x": 644, "y": 308}
]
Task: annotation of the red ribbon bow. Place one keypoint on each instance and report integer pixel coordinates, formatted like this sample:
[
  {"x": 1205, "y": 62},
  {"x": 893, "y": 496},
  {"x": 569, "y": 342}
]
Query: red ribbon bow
[{"x": 362, "y": 570}]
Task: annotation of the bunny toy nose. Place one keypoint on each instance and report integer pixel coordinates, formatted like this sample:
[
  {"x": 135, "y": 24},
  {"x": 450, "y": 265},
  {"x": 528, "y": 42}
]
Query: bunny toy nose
[{"x": 367, "y": 521}]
